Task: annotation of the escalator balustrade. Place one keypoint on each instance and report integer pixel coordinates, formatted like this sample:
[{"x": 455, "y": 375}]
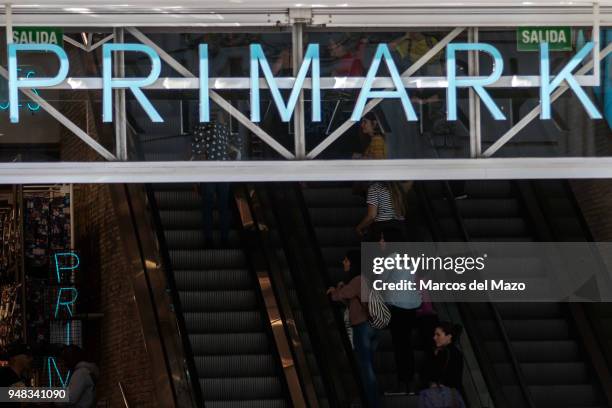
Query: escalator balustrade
[
  {"x": 232, "y": 348},
  {"x": 542, "y": 336}
]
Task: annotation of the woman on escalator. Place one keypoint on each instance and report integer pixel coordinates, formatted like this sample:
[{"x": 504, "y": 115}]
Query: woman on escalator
[
  {"x": 443, "y": 370},
  {"x": 386, "y": 210},
  {"x": 365, "y": 337}
]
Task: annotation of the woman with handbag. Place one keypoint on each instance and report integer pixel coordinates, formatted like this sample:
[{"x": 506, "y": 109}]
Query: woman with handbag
[
  {"x": 443, "y": 370},
  {"x": 365, "y": 337}
]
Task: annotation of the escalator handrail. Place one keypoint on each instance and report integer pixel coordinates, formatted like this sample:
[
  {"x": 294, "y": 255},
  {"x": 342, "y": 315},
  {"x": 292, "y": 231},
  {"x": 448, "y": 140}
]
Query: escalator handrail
[
  {"x": 496, "y": 316},
  {"x": 474, "y": 332},
  {"x": 192, "y": 373},
  {"x": 322, "y": 267}
]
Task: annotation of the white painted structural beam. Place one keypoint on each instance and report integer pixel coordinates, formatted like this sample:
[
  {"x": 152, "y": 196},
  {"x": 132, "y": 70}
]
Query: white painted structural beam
[{"x": 307, "y": 170}]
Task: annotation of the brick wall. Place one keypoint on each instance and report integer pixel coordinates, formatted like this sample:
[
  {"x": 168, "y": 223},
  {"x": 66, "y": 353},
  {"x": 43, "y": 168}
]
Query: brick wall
[
  {"x": 595, "y": 200},
  {"x": 116, "y": 341}
]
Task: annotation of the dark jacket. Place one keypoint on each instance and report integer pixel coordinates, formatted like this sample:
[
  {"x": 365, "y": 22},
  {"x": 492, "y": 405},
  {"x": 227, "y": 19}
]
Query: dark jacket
[{"x": 444, "y": 367}]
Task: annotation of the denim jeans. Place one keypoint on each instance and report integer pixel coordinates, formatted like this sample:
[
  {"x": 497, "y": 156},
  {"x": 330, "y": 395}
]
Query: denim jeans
[
  {"x": 365, "y": 338},
  {"x": 222, "y": 191}
]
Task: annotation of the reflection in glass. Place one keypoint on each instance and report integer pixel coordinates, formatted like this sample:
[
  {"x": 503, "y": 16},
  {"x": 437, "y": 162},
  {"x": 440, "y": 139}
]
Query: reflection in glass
[
  {"x": 570, "y": 131},
  {"x": 350, "y": 54},
  {"x": 229, "y": 56}
]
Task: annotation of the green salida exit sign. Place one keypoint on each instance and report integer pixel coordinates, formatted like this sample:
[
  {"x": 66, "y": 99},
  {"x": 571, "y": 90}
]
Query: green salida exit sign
[
  {"x": 38, "y": 35},
  {"x": 530, "y": 38}
]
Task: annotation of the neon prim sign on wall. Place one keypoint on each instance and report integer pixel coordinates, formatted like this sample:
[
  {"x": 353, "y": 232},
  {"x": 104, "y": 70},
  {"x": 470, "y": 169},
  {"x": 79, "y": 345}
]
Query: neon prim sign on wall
[
  {"x": 311, "y": 62},
  {"x": 67, "y": 294},
  {"x": 31, "y": 106}
]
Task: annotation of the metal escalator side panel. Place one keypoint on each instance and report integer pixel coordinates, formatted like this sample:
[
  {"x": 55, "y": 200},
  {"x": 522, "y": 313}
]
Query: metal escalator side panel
[
  {"x": 166, "y": 356},
  {"x": 275, "y": 300},
  {"x": 282, "y": 344}
]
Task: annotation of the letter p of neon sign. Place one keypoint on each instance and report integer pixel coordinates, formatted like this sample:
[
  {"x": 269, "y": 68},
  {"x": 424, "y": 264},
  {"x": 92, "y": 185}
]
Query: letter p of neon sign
[{"x": 15, "y": 82}]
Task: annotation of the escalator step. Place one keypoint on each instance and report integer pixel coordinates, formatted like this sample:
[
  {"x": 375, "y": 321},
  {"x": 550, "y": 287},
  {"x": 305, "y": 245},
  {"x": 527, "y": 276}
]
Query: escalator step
[
  {"x": 518, "y": 310},
  {"x": 178, "y": 200},
  {"x": 487, "y": 208},
  {"x": 536, "y": 351},
  {"x": 506, "y": 227},
  {"x": 336, "y": 197},
  {"x": 337, "y": 236},
  {"x": 185, "y": 219},
  {"x": 194, "y": 239},
  {"x": 223, "y": 322},
  {"x": 555, "y": 373},
  {"x": 220, "y": 300},
  {"x": 565, "y": 395},
  {"x": 223, "y": 344},
  {"x": 488, "y": 189},
  {"x": 241, "y": 389},
  {"x": 229, "y": 366},
  {"x": 271, "y": 403},
  {"x": 527, "y": 329},
  {"x": 542, "y": 330},
  {"x": 336, "y": 217},
  {"x": 213, "y": 279},
  {"x": 207, "y": 259}
]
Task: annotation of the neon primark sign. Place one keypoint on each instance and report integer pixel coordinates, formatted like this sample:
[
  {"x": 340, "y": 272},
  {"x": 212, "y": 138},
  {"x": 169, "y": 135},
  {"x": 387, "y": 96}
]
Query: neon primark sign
[{"x": 258, "y": 61}]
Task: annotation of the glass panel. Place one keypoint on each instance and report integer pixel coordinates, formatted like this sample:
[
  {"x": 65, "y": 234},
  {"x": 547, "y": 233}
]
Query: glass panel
[
  {"x": 181, "y": 136},
  {"x": 350, "y": 54},
  {"x": 570, "y": 131},
  {"x": 41, "y": 137}
]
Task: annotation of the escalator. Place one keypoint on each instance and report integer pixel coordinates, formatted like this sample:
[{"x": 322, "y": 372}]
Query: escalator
[
  {"x": 334, "y": 212},
  {"x": 534, "y": 351},
  {"x": 233, "y": 351},
  {"x": 547, "y": 359},
  {"x": 532, "y": 354}
]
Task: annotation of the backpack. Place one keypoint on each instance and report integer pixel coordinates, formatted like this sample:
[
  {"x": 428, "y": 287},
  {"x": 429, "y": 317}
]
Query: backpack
[
  {"x": 440, "y": 397},
  {"x": 379, "y": 314}
]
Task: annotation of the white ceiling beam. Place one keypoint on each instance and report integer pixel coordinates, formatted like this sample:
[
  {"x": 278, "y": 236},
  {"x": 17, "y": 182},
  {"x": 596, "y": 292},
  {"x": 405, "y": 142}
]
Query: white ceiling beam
[{"x": 307, "y": 170}]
